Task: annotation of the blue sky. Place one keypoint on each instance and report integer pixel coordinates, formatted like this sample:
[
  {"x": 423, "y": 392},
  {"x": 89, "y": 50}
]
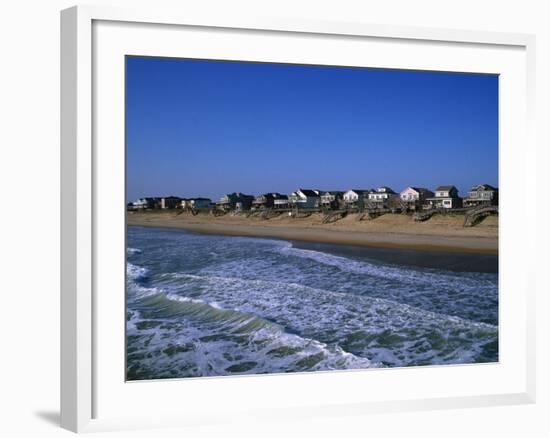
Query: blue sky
[{"x": 205, "y": 128}]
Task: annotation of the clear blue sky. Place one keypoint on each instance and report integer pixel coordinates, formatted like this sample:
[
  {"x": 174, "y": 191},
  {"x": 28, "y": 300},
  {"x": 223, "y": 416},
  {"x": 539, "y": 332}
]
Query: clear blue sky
[{"x": 205, "y": 128}]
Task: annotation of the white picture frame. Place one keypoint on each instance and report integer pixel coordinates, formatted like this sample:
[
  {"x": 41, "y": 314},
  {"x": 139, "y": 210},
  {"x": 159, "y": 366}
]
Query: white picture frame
[{"x": 88, "y": 379}]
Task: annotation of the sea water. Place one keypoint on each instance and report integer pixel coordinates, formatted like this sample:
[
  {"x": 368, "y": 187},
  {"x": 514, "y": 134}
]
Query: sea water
[{"x": 204, "y": 305}]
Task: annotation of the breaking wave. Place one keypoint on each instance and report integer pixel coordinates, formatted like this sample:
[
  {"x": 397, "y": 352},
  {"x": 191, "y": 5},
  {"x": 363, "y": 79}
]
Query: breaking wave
[{"x": 210, "y": 305}]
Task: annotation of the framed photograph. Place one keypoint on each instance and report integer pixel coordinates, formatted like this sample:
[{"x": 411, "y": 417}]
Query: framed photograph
[{"x": 289, "y": 218}]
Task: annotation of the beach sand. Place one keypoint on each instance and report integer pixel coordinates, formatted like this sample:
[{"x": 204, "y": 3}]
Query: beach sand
[{"x": 440, "y": 233}]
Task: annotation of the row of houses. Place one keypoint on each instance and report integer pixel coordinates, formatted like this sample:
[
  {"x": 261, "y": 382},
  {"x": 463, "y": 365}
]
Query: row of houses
[
  {"x": 444, "y": 197},
  {"x": 169, "y": 202}
]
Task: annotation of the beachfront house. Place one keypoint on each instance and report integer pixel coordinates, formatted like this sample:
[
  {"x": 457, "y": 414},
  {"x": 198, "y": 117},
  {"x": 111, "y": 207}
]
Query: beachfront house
[
  {"x": 355, "y": 198},
  {"x": 147, "y": 203},
  {"x": 170, "y": 202},
  {"x": 235, "y": 201},
  {"x": 266, "y": 201},
  {"x": 305, "y": 198},
  {"x": 381, "y": 196},
  {"x": 331, "y": 200},
  {"x": 415, "y": 197},
  {"x": 445, "y": 197},
  {"x": 482, "y": 194},
  {"x": 198, "y": 203},
  {"x": 281, "y": 203},
  {"x": 195, "y": 203}
]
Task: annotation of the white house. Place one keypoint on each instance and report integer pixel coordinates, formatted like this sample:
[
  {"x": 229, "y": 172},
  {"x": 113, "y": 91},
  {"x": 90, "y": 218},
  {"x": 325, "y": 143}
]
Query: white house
[
  {"x": 355, "y": 197},
  {"x": 445, "y": 197},
  {"x": 381, "y": 196},
  {"x": 147, "y": 203},
  {"x": 416, "y": 195},
  {"x": 141, "y": 204},
  {"x": 305, "y": 198}
]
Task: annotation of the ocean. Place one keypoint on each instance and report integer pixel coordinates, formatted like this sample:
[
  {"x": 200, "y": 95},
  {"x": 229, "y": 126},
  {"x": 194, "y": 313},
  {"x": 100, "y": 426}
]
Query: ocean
[{"x": 205, "y": 305}]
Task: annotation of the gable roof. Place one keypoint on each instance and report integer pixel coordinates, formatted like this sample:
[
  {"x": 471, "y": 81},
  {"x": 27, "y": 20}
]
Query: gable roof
[
  {"x": 360, "y": 191},
  {"x": 421, "y": 189},
  {"x": 487, "y": 187},
  {"x": 273, "y": 195},
  {"x": 266, "y": 196},
  {"x": 309, "y": 192},
  {"x": 445, "y": 188}
]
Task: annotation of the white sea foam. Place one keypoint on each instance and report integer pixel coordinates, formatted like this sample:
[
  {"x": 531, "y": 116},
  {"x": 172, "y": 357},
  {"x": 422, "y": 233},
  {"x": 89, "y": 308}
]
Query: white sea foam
[
  {"x": 465, "y": 296},
  {"x": 217, "y": 306},
  {"x": 347, "y": 319},
  {"x": 400, "y": 273},
  {"x": 212, "y": 334},
  {"x": 135, "y": 272}
]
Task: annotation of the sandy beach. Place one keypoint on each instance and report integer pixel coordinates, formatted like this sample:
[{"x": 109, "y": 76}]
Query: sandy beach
[{"x": 440, "y": 233}]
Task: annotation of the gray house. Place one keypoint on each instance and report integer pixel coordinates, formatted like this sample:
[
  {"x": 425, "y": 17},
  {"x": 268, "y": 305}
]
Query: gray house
[
  {"x": 267, "y": 200},
  {"x": 445, "y": 197},
  {"x": 482, "y": 194},
  {"x": 281, "y": 202},
  {"x": 305, "y": 198},
  {"x": 235, "y": 201},
  {"x": 196, "y": 203},
  {"x": 170, "y": 202}
]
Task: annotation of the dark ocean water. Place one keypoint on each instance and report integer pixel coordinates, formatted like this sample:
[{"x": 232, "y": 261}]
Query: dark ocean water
[{"x": 203, "y": 305}]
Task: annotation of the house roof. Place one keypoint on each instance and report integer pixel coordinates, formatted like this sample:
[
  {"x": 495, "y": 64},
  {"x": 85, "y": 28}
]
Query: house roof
[
  {"x": 482, "y": 187},
  {"x": 445, "y": 188},
  {"x": 421, "y": 189},
  {"x": 360, "y": 191},
  {"x": 264, "y": 197},
  {"x": 333, "y": 192},
  {"x": 236, "y": 195},
  {"x": 384, "y": 189},
  {"x": 309, "y": 192},
  {"x": 273, "y": 195}
]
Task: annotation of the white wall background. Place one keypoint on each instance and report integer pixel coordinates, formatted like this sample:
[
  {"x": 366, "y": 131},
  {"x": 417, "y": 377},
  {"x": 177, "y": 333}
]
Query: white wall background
[{"x": 29, "y": 215}]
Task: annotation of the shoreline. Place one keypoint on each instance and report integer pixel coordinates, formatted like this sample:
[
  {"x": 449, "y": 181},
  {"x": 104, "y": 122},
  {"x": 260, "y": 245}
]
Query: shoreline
[{"x": 437, "y": 240}]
